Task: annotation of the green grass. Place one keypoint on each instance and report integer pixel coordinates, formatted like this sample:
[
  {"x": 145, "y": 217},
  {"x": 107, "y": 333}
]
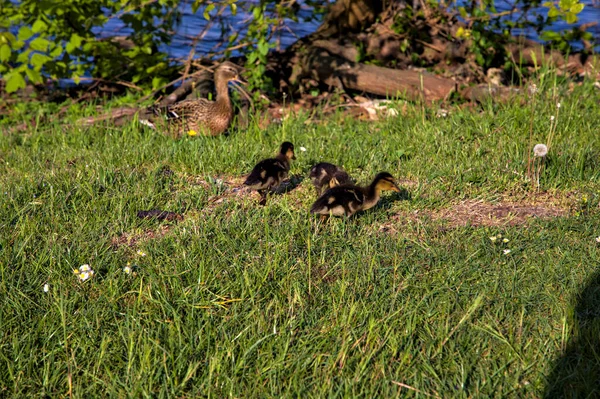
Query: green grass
[{"x": 239, "y": 300}]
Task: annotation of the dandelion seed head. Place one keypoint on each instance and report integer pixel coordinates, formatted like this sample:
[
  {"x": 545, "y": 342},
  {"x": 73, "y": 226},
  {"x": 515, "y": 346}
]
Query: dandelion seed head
[
  {"x": 532, "y": 89},
  {"x": 552, "y": 118},
  {"x": 540, "y": 150}
]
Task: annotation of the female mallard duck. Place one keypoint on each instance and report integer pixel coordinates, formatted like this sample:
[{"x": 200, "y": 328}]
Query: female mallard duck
[
  {"x": 349, "y": 199},
  {"x": 269, "y": 173},
  {"x": 326, "y": 175},
  {"x": 201, "y": 115}
]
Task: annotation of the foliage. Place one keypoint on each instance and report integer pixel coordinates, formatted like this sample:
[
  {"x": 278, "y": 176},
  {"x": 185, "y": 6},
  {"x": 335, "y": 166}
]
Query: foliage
[
  {"x": 49, "y": 39},
  {"x": 485, "y": 25}
]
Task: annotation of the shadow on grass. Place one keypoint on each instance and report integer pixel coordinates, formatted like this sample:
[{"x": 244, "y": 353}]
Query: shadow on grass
[{"x": 576, "y": 373}]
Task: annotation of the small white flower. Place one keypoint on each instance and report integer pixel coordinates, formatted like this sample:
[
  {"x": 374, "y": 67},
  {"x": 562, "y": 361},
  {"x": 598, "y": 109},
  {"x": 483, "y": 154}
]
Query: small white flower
[
  {"x": 127, "y": 269},
  {"x": 557, "y": 105},
  {"x": 552, "y": 117},
  {"x": 302, "y": 149},
  {"x": 85, "y": 276},
  {"x": 85, "y": 268},
  {"x": 46, "y": 287},
  {"x": 540, "y": 150},
  {"x": 598, "y": 239},
  {"x": 505, "y": 240},
  {"x": 140, "y": 252},
  {"x": 493, "y": 238},
  {"x": 506, "y": 251},
  {"x": 84, "y": 272}
]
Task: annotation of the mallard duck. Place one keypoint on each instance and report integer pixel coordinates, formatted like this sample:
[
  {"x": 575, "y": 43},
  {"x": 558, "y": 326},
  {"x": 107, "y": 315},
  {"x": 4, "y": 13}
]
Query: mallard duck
[
  {"x": 269, "y": 173},
  {"x": 348, "y": 199},
  {"x": 200, "y": 116},
  {"x": 325, "y": 175}
]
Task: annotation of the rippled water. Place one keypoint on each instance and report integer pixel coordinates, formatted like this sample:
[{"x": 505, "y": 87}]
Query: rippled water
[{"x": 192, "y": 24}]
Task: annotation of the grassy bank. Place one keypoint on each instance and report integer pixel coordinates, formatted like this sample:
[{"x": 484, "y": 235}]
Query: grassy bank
[{"x": 409, "y": 299}]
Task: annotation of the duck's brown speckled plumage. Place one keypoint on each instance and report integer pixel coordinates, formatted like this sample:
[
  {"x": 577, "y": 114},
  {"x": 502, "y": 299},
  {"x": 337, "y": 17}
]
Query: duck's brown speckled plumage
[
  {"x": 325, "y": 175},
  {"x": 200, "y": 115},
  {"x": 347, "y": 199},
  {"x": 269, "y": 173}
]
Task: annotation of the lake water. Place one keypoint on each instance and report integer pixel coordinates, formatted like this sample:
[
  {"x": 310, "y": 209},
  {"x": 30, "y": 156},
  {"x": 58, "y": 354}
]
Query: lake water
[{"x": 192, "y": 24}]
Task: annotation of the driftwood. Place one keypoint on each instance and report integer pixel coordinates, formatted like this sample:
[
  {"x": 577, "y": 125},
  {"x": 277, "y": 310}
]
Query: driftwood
[{"x": 330, "y": 64}]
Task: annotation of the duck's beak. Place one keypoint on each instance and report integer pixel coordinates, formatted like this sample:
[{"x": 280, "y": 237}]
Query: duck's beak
[
  {"x": 396, "y": 188},
  {"x": 239, "y": 80}
]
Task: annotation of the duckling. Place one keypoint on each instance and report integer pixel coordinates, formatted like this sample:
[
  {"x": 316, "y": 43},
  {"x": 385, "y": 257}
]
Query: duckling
[
  {"x": 269, "y": 173},
  {"x": 200, "y": 115},
  {"x": 348, "y": 199},
  {"x": 325, "y": 175}
]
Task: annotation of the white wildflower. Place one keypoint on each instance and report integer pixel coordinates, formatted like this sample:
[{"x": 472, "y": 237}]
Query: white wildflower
[
  {"x": 598, "y": 239},
  {"x": 493, "y": 238},
  {"x": 302, "y": 149},
  {"x": 140, "y": 252},
  {"x": 46, "y": 287},
  {"x": 127, "y": 269},
  {"x": 505, "y": 240},
  {"x": 84, "y": 272},
  {"x": 557, "y": 105},
  {"x": 540, "y": 150},
  {"x": 552, "y": 118},
  {"x": 506, "y": 251}
]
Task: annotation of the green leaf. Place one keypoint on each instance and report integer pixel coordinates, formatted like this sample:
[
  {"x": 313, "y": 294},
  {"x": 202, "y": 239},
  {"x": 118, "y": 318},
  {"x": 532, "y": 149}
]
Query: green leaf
[
  {"x": 39, "y": 26},
  {"x": 23, "y": 56},
  {"x": 38, "y": 60},
  {"x": 157, "y": 82},
  {"x": 34, "y": 76},
  {"x": 570, "y": 17},
  {"x": 74, "y": 43},
  {"x": 207, "y": 10},
  {"x": 25, "y": 33},
  {"x": 550, "y": 36},
  {"x": 263, "y": 47},
  {"x": 233, "y": 7},
  {"x": 548, "y": 4},
  {"x": 56, "y": 52},
  {"x": 576, "y": 8},
  {"x": 566, "y": 4},
  {"x": 14, "y": 82},
  {"x": 4, "y": 52},
  {"x": 39, "y": 44},
  {"x": 553, "y": 12}
]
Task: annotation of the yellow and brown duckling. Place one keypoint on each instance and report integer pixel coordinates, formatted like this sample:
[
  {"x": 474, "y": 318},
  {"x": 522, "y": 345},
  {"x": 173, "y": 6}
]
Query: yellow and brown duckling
[
  {"x": 200, "y": 116},
  {"x": 269, "y": 173},
  {"x": 346, "y": 200},
  {"x": 325, "y": 175}
]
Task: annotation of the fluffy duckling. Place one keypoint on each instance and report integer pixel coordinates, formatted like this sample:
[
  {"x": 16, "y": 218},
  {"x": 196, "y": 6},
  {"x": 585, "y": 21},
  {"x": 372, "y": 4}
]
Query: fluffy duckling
[
  {"x": 269, "y": 173},
  {"x": 201, "y": 115},
  {"x": 326, "y": 175},
  {"x": 349, "y": 199}
]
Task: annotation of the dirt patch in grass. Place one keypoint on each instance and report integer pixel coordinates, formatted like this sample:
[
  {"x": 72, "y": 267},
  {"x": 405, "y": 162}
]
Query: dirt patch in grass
[
  {"x": 132, "y": 239},
  {"x": 508, "y": 211}
]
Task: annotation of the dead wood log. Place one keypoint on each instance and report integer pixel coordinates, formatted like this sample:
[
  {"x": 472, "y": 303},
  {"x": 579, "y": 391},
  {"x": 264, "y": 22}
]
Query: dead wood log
[{"x": 344, "y": 74}]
